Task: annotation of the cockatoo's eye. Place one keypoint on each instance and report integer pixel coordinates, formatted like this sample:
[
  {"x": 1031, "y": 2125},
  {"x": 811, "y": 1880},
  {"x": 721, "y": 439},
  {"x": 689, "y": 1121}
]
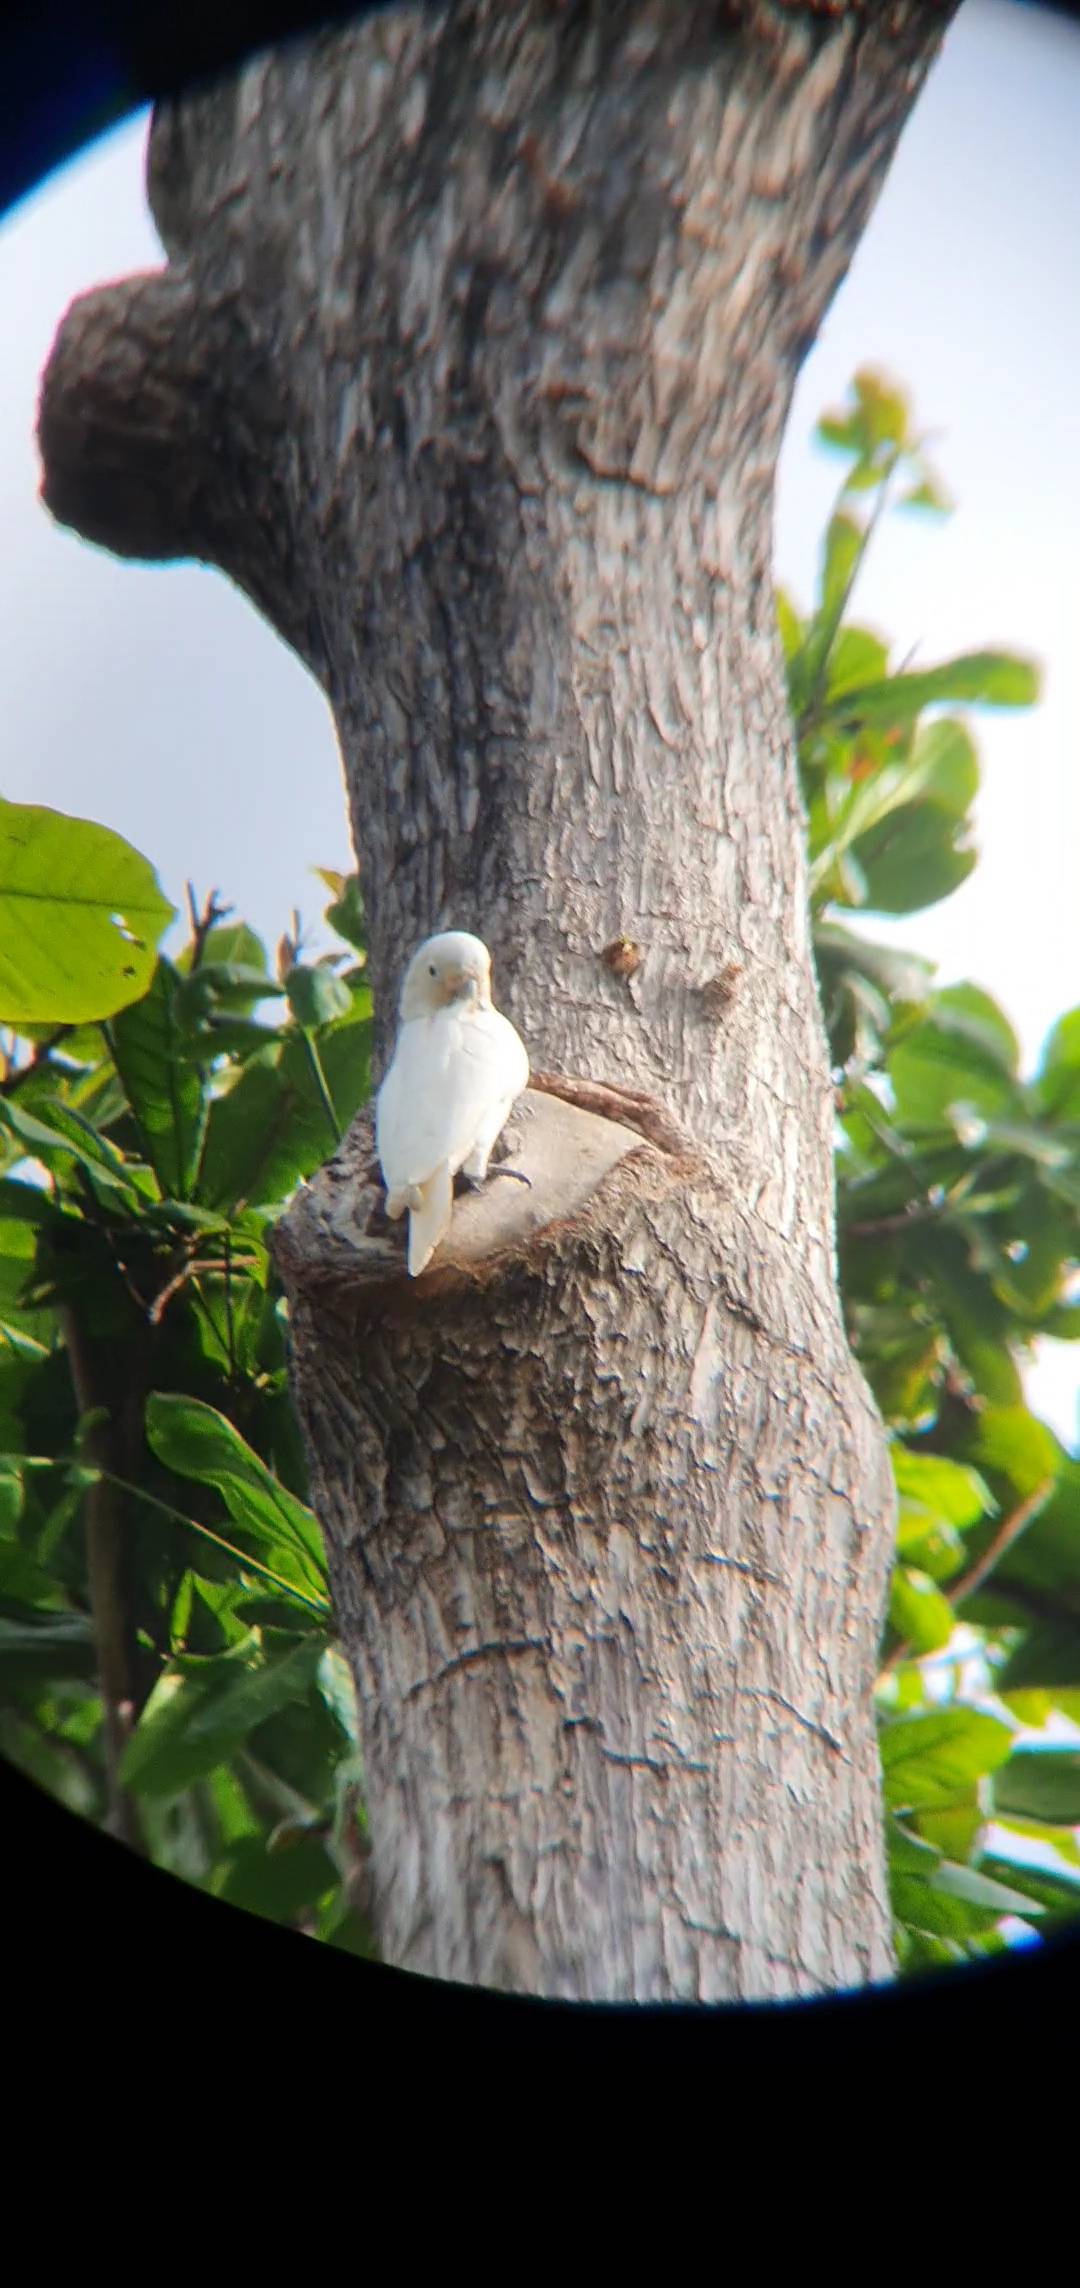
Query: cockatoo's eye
[{"x": 431, "y": 969}]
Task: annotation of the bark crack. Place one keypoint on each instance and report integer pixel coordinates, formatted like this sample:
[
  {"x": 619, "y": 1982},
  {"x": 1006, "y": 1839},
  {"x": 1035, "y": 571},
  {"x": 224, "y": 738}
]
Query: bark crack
[{"x": 477, "y": 1653}]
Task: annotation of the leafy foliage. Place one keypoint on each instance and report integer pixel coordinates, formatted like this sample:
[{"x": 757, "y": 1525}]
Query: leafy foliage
[
  {"x": 958, "y": 1200},
  {"x": 142, "y": 1162},
  {"x": 146, "y": 1148}
]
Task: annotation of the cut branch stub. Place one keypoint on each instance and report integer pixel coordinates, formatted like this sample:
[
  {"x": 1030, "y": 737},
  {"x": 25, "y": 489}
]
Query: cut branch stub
[
  {"x": 564, "y": 1138},
  {"x": 576, "y": 1595},
  {"x": 122, "y": 421}
]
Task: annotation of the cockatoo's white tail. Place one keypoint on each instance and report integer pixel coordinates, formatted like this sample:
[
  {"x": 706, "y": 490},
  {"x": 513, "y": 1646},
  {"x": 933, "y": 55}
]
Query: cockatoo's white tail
[{"x": 429, "y": 1222}]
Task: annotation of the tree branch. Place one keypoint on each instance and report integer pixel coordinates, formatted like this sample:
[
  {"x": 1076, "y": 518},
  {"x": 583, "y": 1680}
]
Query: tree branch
[
  {"x": 155, "y": 429},
  {"x": 1006, "y": 1534},
  {"x": 121, "y": 422}
]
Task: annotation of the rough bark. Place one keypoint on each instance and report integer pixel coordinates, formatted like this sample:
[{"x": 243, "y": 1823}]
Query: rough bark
[{"x": 471, "y": 364}]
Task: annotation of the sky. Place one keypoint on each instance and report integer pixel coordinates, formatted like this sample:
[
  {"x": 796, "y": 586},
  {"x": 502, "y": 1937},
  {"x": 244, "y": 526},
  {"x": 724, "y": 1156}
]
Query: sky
[{"x": 155, "y": 699}]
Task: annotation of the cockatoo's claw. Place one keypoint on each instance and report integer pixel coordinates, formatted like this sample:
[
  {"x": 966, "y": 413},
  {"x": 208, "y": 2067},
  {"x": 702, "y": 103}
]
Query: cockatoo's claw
[{"x": 518, "y": 1174}]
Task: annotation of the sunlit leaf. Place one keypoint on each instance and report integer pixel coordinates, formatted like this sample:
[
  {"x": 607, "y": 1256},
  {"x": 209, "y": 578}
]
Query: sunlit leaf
[
  {"x": 81, "y": 914},
  {"x": 918, "y": 1612},
  {"x": 931, "y": 1758}
]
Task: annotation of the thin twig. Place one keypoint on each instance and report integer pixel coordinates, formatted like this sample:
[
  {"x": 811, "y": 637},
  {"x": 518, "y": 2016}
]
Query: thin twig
[
  {"x": 156, "y": 1310},
  {"x": 1008, "y": 1532},
  {"x": 244, "y": 1264},
  {"x": 1003, "y": 1539},
  {"x": 879, "y": 1227},
  {"x": 202, "y": 923}
]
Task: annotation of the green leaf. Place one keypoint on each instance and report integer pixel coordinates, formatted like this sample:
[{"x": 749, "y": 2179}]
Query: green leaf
[
  {"x": 200, "y": 1711},
  {"x": 230, "y": 942},
  {"x": 66, "y": 1133},
  {"x": 875, "y": 429},
  {"x": 164, "y": 1086},
  {"x": 1012, "y": 1440},
  {"x": 271, "y": 1128},
  {"x": 845, "y": 540},
  {"x": 981, "y": 678},
  {"x": 258, "y": 1142},
  {"x": 944, "y": 1079},
  {"x": 791, "y": 626},
  {"x": 28, "y": 1203},
  {"x": 80, "y": 916},
  {"x": 945, "y": 1489},
  {"x": 920, "y": 1902},
  {"x": 901, "y": 976},
  {"x": 968, "y": 1015},
  {"x": 953, "y": 1828},
  {"x": 928, "y": 1543},
  {"x": 1057, "y": 1889},
  {"x": 908, "y": 1854},
  {"x": 858, "y": 656},
  {"x": 931, "y": 1758},
  {"x": 1057, "y": 1088},
  {"x": 901, "y": 821},
  {"x": 883, "y": 407},
  {"x": 229, "y": 985},
  {"x": 316, "y": 996},
  {"x": 979, "y": 1890},
  {"x": 841, "y": 431},
  {"x": 948, "y": 765},
  {"x": 277, "y": 1883},
  {"x": 1040, "y": 1783},
  {"x": 197, "y": 1442},
  {"x": 918, "y": 1612},
  {"x": 346, "y": 913},
  {"x": 926, "y": 494},
  {"x": 11, "y": 1495},
  {"x": 50, "y": 1645},
  {"x": 911, "y": 860}
]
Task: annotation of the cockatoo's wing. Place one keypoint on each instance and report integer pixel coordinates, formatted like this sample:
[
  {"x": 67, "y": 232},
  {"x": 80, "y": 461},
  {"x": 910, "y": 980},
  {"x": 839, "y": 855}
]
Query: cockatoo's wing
[
  {"x": 508, "y": 1068},
  {"x": 450, "y": 1087},
  {"x": 448, "y": 1076}
]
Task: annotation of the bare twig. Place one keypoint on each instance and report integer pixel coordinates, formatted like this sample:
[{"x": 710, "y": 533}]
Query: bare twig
[
  {"x": 879, "y": 1227},
  {"x": 1003, "y": 1539},
  {"x": 202, "y": 923},
  {"x": 156, "y": 1310}
]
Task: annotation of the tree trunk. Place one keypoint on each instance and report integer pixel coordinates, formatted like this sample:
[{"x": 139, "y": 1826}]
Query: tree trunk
[{"x": 470, "y": 365}]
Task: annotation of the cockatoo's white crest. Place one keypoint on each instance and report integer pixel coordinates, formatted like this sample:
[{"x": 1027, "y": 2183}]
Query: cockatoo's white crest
[{"x": 456, "y": 1070}]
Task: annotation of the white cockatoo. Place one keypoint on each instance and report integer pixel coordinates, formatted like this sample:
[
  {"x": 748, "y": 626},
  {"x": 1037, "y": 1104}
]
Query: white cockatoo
[{"x": 456, "y": 1070}]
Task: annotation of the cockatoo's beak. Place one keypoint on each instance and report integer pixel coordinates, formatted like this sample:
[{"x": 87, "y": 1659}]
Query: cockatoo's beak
[{"x": 464, "y": 984}]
